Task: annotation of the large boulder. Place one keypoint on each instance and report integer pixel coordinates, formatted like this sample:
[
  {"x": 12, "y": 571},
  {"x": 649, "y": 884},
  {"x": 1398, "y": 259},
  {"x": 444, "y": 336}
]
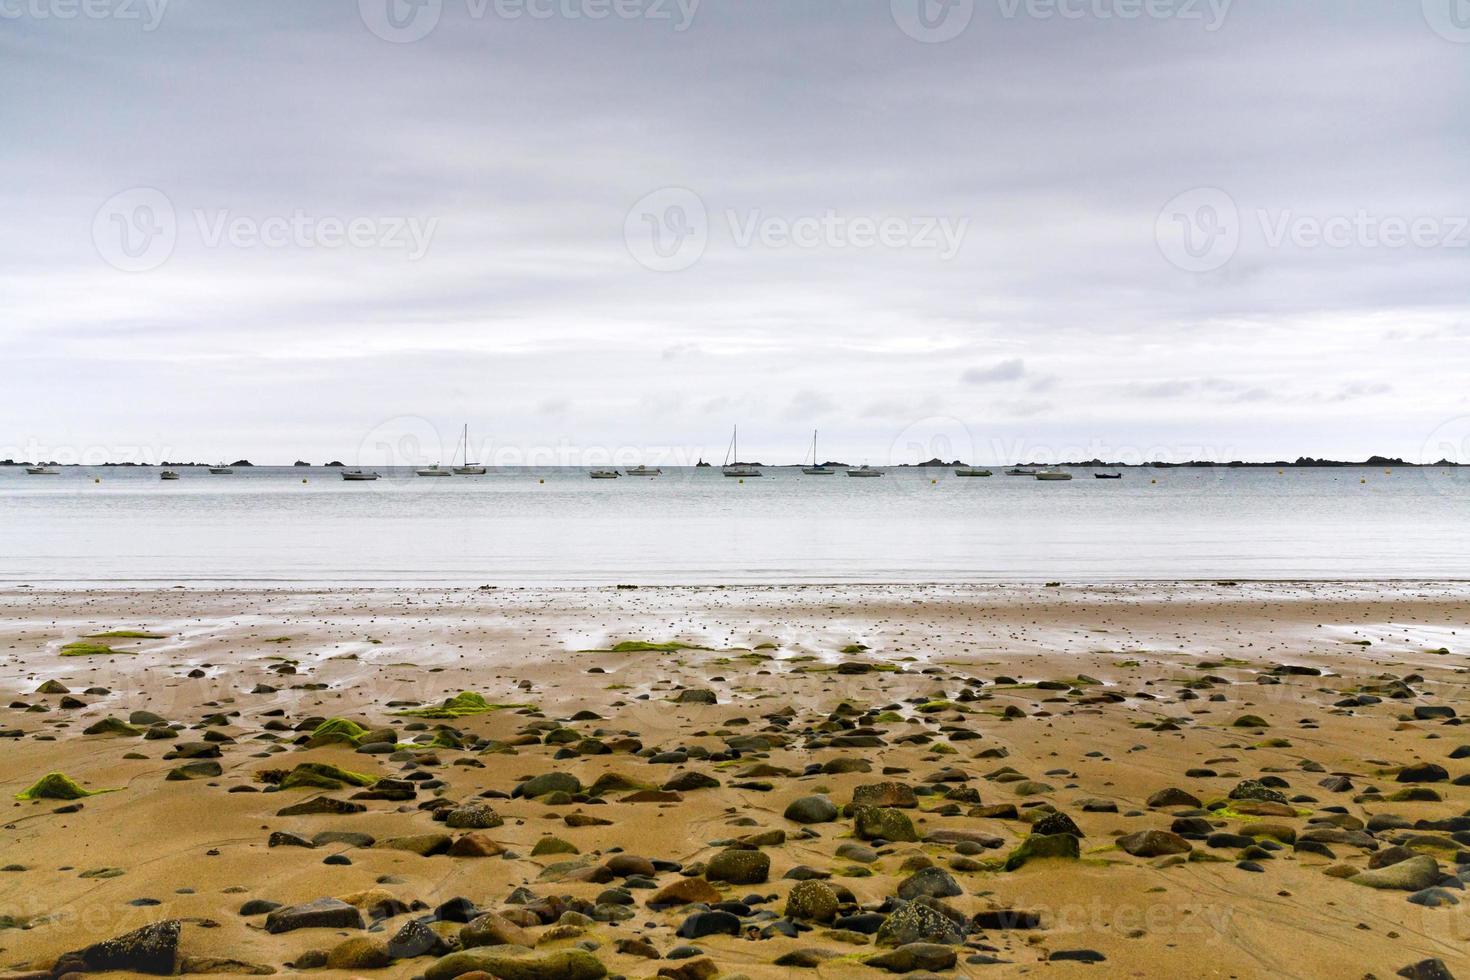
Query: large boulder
[
  {"x": 914, "y": 957},
  {"x": 918, "y": 923},
  {"x": 518, "y": 963},
  {"x": 424, "y": 845},
  {"x": 931, "y": 882},
  {"x": 1154, "y": 843},
  {"x": 153, "y": 949},
  {"x": 1039, "y": 846},
  {"x": 359, "y": 953},
  {"x": 739, "y": 867},
  {"x": 551, "y": 782},
  {"x": 1057, "y": 823},
  {"x": 473, "y": 816},
  {"x": 811, "y": 809},
  {"x": 324, "y": 913},
  {"x": 493, "y": 929},
  {"x": 1254, "y": 789},
  {"x": 1173, "y": 796},
  {"x": 812, "y": 899},
  {"x": 883, "y": 823},
  {"x": 888, "y": 793},
  {"x": 685, "y": 891},
  {"x": 1409, "y": 876}
]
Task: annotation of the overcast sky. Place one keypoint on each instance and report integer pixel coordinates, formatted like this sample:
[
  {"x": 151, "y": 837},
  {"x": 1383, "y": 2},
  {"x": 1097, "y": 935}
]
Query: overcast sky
[{"x": 1003, "y": 229}]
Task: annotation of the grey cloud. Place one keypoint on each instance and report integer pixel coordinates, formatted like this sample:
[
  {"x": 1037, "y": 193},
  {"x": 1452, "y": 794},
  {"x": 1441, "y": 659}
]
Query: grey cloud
[
  {"x": 1011, "y": 369},
  {"x": 528, "y": 141}
]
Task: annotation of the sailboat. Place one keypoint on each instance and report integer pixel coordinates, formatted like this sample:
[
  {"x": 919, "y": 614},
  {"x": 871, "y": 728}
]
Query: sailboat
[
  {"x": 816, "y": 469},
  {"x": 467, "y": 468},
  {"x": 732, "y": 465}
]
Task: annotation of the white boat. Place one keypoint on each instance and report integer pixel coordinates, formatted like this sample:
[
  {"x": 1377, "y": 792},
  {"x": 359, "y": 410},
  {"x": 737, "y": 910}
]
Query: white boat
[
  {"x": 168, "y": 475},
  {"x": 864, "y": 470},
  {"x": 732, "y": 465},
  {"x": 358, "y": 476},
  {"x": 221, "y": 470},
  {"x": 1053, "y": 474},
  {"x": 971, "y": 471},
  {"x": 816, "y": 469},
  {"x": 434, "y": 470},
  {"x": 643, "y": 471},
  {"x": 466, "y": 468},
  {"x": 42, "y": 471},
  {"x": 604, "y": 474},
  {"x": 1020, "y": 471}
]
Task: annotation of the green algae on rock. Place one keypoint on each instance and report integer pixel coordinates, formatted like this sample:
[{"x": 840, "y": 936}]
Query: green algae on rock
[
  {"x": 1039, "y": 846},
  {"x": 321, "y": 775},
  {"x": 85, "y": 648},
  {"x": 462, "y": 704},
  {"x": 336, "y": 730},
  {"x": 58, "y": 786},
  {"x": 886, "y": 823},
  {"x": 112, "y": 726},
  {"x": 126, "y": 635}
]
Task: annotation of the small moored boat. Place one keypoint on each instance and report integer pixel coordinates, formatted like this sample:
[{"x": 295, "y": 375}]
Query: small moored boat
[
  {"x": 1020, "y": 471},
  {"x": 42, "y": 471},
  {"x": 434, "y": 470},
  {"x": 732, "y": 465},
  {"x": 971, "y": 471},
  {"x": 1107, "y": 476},
  {"x": 816, "y": 469},
  {"x": 358, "y": 476},
  {"x": 1053, "y": 474},
  {"x": 221, "y": 470},
  {"x": 168, "y": 475},
  {"x": 643, "y": 471},
  {"x": 466, "y": 468},
  {"x": 604, "y": 474},
  {"x": 864, "y": 470}
]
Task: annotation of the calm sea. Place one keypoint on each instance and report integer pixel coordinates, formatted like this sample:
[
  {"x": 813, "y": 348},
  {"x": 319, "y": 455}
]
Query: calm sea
[{"x": 556, "y": 526}]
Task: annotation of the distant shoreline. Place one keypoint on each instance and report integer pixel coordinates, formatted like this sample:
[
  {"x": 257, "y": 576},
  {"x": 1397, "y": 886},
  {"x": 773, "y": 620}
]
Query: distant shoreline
[{"x": 1301, "y": 462}]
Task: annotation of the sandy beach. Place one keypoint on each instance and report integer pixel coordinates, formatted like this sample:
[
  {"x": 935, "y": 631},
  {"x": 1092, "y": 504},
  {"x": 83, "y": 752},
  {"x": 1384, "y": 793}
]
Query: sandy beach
[{"x": 1152, "y": 780}]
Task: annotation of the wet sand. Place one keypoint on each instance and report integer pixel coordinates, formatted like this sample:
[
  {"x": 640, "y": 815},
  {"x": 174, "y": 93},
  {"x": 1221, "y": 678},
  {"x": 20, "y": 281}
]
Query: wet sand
[{"x": 1142, "y": 689}]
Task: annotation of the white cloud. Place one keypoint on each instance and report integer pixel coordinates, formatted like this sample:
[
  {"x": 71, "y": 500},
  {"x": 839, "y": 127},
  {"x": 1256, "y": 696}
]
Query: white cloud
[{"x": 529, "y": 316}]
